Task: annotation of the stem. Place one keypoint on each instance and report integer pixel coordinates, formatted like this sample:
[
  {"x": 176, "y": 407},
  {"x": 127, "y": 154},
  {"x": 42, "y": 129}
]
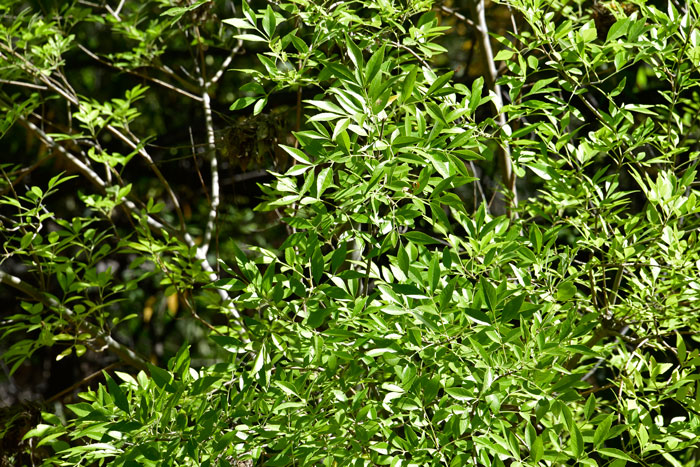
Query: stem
[{"x": 507, "y": 173}]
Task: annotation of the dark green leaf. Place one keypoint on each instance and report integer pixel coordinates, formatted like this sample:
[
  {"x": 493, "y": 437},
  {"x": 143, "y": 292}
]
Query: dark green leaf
[{"x": 117, "y": 394}]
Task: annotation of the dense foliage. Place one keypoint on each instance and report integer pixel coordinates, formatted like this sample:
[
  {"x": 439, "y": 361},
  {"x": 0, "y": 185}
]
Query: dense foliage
[{"x": 443, "y": 268}]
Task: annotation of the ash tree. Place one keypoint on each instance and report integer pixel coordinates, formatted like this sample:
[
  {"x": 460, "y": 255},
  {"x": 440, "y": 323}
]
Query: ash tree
[{"x": 439, "y": 269}]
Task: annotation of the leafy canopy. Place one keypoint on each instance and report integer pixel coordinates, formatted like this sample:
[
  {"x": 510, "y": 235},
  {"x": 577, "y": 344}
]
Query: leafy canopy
[{"x": 403, "y": 319}]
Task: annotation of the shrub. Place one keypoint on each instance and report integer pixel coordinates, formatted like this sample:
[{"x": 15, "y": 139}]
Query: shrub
[{"x": 405, "y": 318}]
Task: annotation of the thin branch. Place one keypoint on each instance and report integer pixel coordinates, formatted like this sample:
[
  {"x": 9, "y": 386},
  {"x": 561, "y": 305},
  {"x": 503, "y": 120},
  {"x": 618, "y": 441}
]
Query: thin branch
[
  {"x": 141, "y": 75},
  {"x": 409, "y": 50},
  {"x": 142, "y": 151},
  {"x": 85, "y": 380},
  {"x": 115, "y": 13},
  {"x": 225, "y": 64},
  {"x": 23, "y": 84},
  {"x": 507, "y": 173},
  {"x": 459, "y": 16},
  {"x": 196, "y": 166}
]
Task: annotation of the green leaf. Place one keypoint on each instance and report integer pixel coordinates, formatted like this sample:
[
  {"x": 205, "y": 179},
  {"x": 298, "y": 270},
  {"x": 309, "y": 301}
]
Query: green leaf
[
  {"x": 355, "y": 53},
  {"x": 577, "y": 445},
  {"x": 317, "y": 265},
  {"x": 408, "y": 83},
  {"x": 439, "y": 83},
  {"x": 296, "y": 154},
  {"x": 374, "y": 64},
  {"x": 537, "y": 450},
  {"x": 566, "y": 291},
  {"x": 269, "y": 21},
  {"x": 511, "y": 310},
  {"x": 242, "y": 103},
  {"x": 589, "y": 407},
  {"x": 161, "y": 377},
  {"x": 259, "y": 105},
  {"x": 229, "y": 343},
  {"x": 462, "y": 394},
  {"x": 475, "y": 98},
  {"x": 338, "y": 256},
  {"x": 615, "y": 453},
  {"x": 248, "y": 12},
  {"x": 618, "y": 29},
  {"x": 419, "y": 238},
  {"x": 26, "y": 240},
  {"x": 250, "y": 37},
  {"x": 117, "y": 394},
  {"x": 434, "y": 273},
  {"x": 489, "y": 293},
  {"x": 259, "y": 360},
  {"x": 601, "y": 431},
  {"x": 503, "y": 54},
  {"x": 238, "y": 23},
  {"x": 477, "y": 316}
]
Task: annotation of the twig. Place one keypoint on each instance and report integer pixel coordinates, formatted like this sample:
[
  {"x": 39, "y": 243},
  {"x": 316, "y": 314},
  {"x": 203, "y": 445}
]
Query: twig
[
  {"x": 459, "y": 16},
  {"x": 225, "y": 64},
  {"x": 196, "y": 166},
  {"x": 141, "y": 75},
  {"x": 85, "y": 380},
  {"x": 409, "y": 50},
  {"x": 23, "y": 84}
]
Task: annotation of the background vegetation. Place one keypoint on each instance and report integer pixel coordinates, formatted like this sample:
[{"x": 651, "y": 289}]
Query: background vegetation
[{"x": 377, "y": 233}]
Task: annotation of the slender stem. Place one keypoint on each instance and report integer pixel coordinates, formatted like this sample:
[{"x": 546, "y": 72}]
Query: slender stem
[
  {"x": 507, "y": 173},
  {"x": 227, "y": 61},
  {"x": 23, "y": 84},
  {"x": 85, "y": 380},
  {"x": 141, "y": 75}
]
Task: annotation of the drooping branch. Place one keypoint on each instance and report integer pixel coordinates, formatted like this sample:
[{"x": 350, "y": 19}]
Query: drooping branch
[
  {"x": 134, "y": 145},
  {"x": 99, "y": 337}
]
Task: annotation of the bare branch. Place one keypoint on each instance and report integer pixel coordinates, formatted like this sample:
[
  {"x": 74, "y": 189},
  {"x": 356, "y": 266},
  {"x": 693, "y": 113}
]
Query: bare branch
[
  {"x": 225, "y": 64},
  {"x": 214, "y": 165},
  {"x": 23, "y": 84}
]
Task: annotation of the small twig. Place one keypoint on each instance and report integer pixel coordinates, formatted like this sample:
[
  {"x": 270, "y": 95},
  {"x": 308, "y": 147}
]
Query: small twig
[
  {"x": 23, "y": 84},
  {"x": 225, "y": 64},
  {"x": 459, "y": 16},
  {"x": 196, "y": 166},
  {"x": 478, "y": 181},
  {"x": 119, "y": 7},
  {"x": 85, "y": 380},
  {"x": 415, "y": 55},
  {"x": 196, "y": 316},
  {"x": 141, "y": 75}
]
